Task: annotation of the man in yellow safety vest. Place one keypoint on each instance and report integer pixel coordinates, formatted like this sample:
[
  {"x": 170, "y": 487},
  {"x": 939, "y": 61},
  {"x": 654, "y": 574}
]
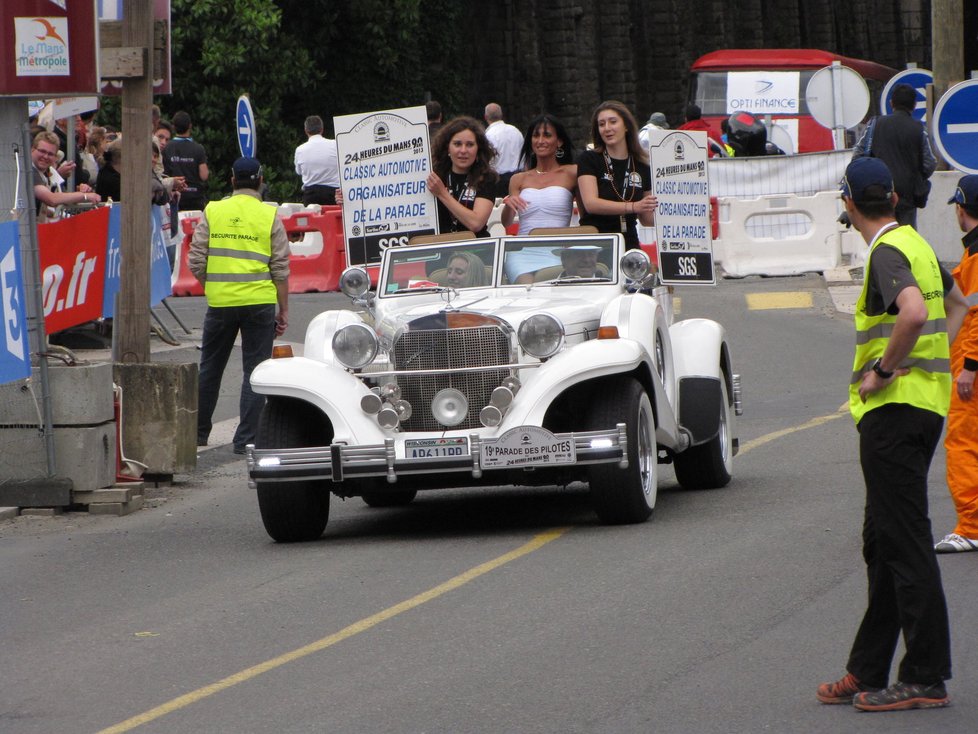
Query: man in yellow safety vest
[
  {"x": 240, "y": 254},
  {"x": 899, "y": 393}
]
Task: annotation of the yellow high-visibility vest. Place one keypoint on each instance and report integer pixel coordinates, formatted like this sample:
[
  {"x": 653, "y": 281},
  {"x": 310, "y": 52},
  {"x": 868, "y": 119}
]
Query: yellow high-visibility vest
[
  {"x": 928, "y": 385},
  {"x": 239, "y": 251}
]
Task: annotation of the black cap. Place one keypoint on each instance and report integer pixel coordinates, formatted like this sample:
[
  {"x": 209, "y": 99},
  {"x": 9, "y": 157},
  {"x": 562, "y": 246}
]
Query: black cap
[{"x": 246, "y": 168}]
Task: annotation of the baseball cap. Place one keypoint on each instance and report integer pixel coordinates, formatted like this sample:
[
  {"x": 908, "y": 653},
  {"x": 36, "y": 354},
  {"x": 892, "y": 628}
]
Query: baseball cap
[
  {"x": 966, "y": 194},
  {"x": 245, "y": 168},
  {"x": 863, "y": 173}
]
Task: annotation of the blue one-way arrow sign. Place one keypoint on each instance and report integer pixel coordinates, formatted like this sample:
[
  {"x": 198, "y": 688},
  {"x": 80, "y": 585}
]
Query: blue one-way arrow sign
[
  {"x": 916, "y": 78},
  {"x": 247, "y": 131},
  {"x": 956, "y": 126}
]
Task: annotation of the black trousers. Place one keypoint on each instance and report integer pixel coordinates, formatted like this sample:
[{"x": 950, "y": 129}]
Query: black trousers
[
  {"x": 319, "y": 195},
  {"x": 896, "y": 445}
]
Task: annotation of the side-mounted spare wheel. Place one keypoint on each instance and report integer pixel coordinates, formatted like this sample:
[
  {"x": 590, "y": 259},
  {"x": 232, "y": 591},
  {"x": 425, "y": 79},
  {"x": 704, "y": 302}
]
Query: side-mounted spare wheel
[
  {"x": 622, "y": 496},
  {"x": 293, "y": 511}
]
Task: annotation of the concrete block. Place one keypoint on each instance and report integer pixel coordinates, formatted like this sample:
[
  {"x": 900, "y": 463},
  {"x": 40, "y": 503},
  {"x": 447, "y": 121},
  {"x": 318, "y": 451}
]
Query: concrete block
[
  {"x": 35, "y": 492},
  {"x": 159, "y": 415},
  {"x": 8, "y": 513},
  {"x": 116, "y": 508},
  {"x": 112, "y": 494},
  {"x": 81, "y": 395},
  {"x": 86, "y": 455}
]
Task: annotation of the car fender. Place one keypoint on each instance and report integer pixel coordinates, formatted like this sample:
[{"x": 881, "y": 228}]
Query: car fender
[
  {"x": 700, "y": 354},
  {"x": 319, "y": 334},
  {"x": 639, "y": 317},
  {"x": 585, "y": 362},
  {"x": 333, "y": 390}
]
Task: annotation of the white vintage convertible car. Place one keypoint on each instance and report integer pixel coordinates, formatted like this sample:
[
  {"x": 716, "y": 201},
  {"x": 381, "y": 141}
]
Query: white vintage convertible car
[{"x": 539, "y": 360}]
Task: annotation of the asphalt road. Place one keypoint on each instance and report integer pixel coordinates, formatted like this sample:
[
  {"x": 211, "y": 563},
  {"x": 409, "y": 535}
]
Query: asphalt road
[{"x": 506, "y": 610}]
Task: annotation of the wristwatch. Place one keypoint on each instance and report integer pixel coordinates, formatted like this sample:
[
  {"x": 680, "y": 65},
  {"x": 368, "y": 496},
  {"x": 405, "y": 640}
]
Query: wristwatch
[{"x": 878, "y": 369}]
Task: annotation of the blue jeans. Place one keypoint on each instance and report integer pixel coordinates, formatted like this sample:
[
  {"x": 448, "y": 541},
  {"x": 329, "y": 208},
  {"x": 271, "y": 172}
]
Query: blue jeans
[{"x": 221, "y": 327}]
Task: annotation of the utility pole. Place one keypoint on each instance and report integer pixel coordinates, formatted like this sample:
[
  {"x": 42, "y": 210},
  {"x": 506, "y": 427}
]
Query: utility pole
[
  {"x": 131, "y": 326},
  {"x": 947, "y": 55}
]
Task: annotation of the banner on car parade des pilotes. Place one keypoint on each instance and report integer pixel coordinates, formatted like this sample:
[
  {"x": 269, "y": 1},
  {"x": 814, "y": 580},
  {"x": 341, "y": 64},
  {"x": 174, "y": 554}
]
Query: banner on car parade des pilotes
[
  {"x": 384, "y": 164},
  {"x": 15, "y": 360}
]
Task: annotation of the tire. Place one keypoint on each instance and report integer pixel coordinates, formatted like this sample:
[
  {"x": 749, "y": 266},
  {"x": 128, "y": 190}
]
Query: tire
[
  {"x": 709, "y": 465},
  {"x": 292, "y": 511},
  {"x": 389, "y": 499},
  {"x": 624, "y": 496}
]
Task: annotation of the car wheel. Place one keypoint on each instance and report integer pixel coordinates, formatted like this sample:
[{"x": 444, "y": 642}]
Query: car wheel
[
  {"x": 292, "y": 511},
  {"x": 709, "y": 465},
  {"x": 389, "y": 499},
  {"x": 622, "y": 496}
]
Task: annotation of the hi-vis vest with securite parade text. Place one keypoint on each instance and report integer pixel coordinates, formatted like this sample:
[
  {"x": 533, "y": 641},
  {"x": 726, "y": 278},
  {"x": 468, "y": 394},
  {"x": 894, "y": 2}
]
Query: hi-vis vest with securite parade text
[
  {"x": 928, "y": 385},
  {"x": 239, "y": 250}
]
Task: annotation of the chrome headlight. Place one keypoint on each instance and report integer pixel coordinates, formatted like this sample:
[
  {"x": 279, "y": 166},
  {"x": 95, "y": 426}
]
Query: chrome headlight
[
  {"x": 354, "y": 282},
  {"x": 541, "y": 335},
  {"x": 635, "y": 264},
  {"x": 355, "y": 346}
]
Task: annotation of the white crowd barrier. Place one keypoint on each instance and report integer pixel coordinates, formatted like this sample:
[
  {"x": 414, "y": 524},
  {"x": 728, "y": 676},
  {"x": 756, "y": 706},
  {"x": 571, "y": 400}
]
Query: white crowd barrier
[{"x": 779, "y": 234}]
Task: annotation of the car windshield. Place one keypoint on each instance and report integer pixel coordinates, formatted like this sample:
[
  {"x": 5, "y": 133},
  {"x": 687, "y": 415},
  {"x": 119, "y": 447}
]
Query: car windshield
[
  {"x": 539, "y": 260},
  {"x": 459, "y": 265}
]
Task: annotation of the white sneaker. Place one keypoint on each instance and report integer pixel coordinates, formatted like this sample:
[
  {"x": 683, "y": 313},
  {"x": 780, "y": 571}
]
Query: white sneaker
[{"x": 954, "y": 543}]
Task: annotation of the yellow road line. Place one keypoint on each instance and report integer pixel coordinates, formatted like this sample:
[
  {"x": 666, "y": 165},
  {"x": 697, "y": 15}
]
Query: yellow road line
[
  {"x": 813, "y": 423},
  {"x": 792, "y": 299},
  {"x": 354, "y": 629}
]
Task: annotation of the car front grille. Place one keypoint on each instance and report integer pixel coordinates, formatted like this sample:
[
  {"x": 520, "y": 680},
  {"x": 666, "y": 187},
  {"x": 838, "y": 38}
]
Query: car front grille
[{"x": 451, "y": 349}]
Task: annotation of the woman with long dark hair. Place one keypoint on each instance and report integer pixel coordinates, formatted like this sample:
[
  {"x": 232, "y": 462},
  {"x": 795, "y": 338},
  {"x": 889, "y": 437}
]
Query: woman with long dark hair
[
  {"x": 614, "y": 179},
  {"x": 462, "y": 179}
]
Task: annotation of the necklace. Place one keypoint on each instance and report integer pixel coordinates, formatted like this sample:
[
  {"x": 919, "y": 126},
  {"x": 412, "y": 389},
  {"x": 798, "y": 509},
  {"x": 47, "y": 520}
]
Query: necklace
[{"x": 624, "y": 184}]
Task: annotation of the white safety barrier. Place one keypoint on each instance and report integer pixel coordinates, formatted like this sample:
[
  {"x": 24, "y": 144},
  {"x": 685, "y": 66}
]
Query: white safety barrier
[{"x": 779, "y": 234}]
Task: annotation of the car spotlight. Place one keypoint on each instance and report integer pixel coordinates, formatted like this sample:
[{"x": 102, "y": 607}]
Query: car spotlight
[
  {"x": 387, "y": 417},
  {"x": 513, "y": 383},
  {"x": 502, "y": 397},
  {"x": 403, "y": 408},
  {"x": 354, "y": 282},
  {"x": 391, "y": 391},
  {"x": 371, "y": 404},
  {"x": 449, "y": 407}
]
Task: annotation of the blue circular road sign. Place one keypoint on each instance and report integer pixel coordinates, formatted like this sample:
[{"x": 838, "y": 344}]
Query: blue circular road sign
[
  {"x": 956, "y": 126},
  {"x": 916, "y": 78},
  {"x": 247, "y": 131}
]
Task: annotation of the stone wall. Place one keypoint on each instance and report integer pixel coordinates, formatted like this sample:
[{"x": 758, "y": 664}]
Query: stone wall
[{"x": 565, "y": 56}]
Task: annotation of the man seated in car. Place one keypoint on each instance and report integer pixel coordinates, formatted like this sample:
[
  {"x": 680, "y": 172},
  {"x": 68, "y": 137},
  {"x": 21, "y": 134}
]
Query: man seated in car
[{"x": 580, "y": 261}]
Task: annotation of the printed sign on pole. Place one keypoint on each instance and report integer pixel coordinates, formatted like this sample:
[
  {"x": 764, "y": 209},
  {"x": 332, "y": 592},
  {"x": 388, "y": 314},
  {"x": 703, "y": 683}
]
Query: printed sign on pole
[
  {"x": 15, "y": 361},
  {"x": 679, "y": 181},
  {"x": 763, "y": 92},
  {"x": 384, "y": 166}
]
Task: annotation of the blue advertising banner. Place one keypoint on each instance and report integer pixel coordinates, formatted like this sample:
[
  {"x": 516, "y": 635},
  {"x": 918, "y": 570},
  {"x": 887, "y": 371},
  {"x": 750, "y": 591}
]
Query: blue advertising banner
[
  {"x": 15, "y": 360},
  {"x": 160, "y": 270}
]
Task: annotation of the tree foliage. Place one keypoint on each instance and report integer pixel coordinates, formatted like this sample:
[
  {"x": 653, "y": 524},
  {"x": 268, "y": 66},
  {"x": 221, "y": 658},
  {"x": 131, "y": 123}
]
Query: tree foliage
[{"x": 301, "y": 57}]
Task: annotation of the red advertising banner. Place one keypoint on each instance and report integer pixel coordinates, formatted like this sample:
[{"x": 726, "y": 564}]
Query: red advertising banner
[
  {"x": 72, "y": 255},
  {"x": 48, "y": 48}
]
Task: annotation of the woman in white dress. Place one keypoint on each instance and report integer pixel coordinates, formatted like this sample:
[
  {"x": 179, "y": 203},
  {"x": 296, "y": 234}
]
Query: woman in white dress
[{"x": 542, "y": 194}]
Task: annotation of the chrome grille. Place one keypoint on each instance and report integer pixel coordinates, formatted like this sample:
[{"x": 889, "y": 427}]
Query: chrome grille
[{"x": 454, "y": 349}]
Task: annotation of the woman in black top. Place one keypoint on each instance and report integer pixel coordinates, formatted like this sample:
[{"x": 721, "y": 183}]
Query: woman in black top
[
  {"x": 614, "y": 180},
  {"x": 462, "y": 179}
]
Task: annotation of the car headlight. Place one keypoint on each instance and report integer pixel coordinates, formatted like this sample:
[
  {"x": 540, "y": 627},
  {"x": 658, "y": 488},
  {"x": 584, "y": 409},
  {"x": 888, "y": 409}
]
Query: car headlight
[
  {"x": 354, "y": 282},
  {"x": 355, "y": 346},
  {"x": 541, "y": 335},
  {"x": 635, "y": 264}
]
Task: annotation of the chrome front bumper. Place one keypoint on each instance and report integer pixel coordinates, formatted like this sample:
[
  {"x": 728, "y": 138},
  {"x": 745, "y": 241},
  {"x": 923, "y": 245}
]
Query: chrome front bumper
[{"x": 338, "y": 462}]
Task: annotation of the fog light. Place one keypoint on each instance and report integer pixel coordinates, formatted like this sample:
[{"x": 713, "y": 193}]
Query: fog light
[
  {"x": 449, "y": 407},
  {"x": 371, "y": 404},
  {"x": 490, "y": 416},
  {"x": 502, "y": 397},
  {"x": 391, "y": 391},
  {"x": 513, "y": 383},
  {"x": 387, "y": 417}
]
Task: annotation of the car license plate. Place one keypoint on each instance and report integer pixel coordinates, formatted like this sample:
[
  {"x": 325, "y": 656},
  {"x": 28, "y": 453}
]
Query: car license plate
[
  {"x": 436, "y": 448},
  {"x": 528, "y": 446}
]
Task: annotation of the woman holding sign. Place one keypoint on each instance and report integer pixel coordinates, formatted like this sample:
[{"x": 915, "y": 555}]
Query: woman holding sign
[
  {"x": 614, "y": 179},
  {"x": 462, "y": 179}
]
